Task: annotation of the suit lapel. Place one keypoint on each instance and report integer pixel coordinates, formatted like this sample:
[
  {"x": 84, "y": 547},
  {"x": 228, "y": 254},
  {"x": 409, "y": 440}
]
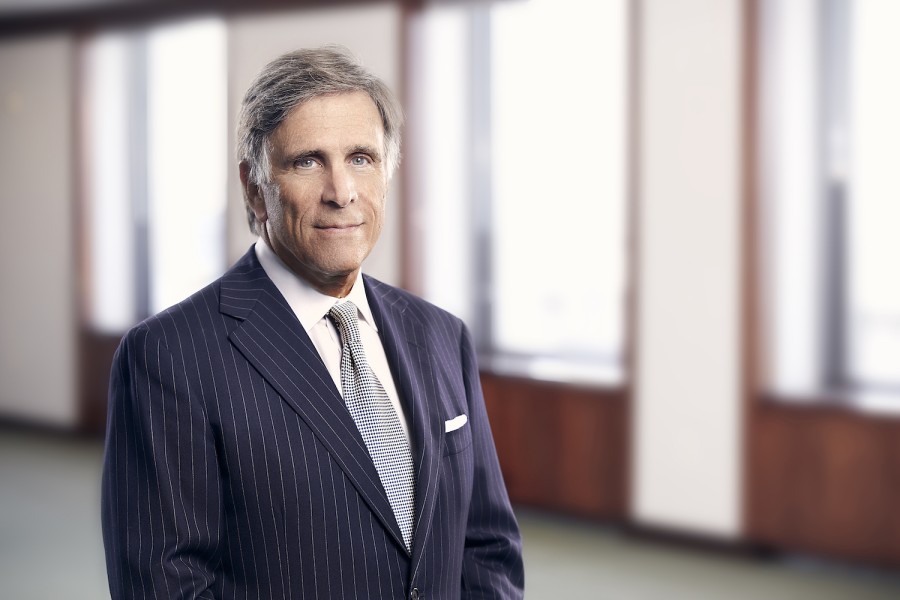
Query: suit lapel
[
  {"x": 403, "y": 336},
  {"x": 272, "y": 339}
]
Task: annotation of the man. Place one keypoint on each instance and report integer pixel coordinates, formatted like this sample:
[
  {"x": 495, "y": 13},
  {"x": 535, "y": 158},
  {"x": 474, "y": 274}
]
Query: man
[{"x": 296, "y": 429}]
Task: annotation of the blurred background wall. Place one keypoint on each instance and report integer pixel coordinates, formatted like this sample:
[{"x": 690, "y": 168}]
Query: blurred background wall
[
  {"x": 598, "y": 170},
  {"x": 38, "y": 370},
  {"x": 687, "y": 381}
]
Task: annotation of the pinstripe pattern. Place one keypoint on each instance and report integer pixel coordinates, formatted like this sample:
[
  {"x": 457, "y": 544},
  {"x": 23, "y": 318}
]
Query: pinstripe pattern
[{"x": 234, "y": 470}]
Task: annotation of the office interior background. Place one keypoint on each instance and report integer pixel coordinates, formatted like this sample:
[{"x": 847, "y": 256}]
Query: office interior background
[{"x": 670, "y": 225}]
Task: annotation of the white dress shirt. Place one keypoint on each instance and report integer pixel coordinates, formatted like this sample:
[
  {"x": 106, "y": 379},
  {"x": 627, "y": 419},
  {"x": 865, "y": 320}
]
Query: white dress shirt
[{"x": 311, "y": 308}]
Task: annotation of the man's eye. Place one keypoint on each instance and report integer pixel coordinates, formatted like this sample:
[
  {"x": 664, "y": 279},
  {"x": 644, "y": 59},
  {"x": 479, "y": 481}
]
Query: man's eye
[
  {"x": 305, "y": 163},
  {"x": 359, "y": 161}
]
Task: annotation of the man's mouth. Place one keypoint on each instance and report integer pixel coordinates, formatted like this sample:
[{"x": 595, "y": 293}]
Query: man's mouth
[{"x": 338, "y": 226}]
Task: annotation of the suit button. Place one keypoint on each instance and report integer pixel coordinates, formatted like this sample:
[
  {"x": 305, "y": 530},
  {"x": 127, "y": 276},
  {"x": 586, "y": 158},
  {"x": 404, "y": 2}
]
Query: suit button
[{"x": 415, "y": 595}]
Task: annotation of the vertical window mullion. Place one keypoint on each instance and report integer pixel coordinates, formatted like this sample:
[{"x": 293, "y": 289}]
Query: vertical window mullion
[
  {"x": 138, "y": 176},
  {"x": 482, "y": 185},
  {"x": 833, "y": 62}
]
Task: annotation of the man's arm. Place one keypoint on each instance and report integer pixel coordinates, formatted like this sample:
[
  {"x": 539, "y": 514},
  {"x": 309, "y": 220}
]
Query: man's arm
[
  {"x": 161, "y": 499},
  {"x": 492, "y": 560}
]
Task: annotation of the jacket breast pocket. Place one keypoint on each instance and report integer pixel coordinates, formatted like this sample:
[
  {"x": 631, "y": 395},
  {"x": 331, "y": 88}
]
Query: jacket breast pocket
[{"x": 457, "y": 440}]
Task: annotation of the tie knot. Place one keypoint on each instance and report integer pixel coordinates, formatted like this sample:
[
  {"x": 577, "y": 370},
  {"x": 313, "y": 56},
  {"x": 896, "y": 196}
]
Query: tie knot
[{"x": 344, "y": 316}]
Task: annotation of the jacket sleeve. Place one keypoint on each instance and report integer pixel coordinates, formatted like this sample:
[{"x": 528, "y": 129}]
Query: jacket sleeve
[
  {"x": 492, "y": 558},
  {"x": 161, "y": 499}
]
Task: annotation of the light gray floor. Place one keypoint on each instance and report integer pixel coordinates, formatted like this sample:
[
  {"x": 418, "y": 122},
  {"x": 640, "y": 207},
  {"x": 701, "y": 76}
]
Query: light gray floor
[{"x": 50, "y": 546}]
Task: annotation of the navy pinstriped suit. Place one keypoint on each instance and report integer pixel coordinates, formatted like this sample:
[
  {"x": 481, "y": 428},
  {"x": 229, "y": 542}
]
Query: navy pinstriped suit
[{"x": 234, "y": 470}]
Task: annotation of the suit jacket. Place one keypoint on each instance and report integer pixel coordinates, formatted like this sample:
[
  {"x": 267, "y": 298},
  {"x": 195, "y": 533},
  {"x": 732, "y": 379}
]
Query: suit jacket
[{"x": 234, "y": 470}]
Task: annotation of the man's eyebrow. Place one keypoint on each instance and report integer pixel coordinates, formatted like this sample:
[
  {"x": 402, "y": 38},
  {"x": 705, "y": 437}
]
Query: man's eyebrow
[
  {"x": 364, "y": 149},
  {"x": 304, "y": 153}
]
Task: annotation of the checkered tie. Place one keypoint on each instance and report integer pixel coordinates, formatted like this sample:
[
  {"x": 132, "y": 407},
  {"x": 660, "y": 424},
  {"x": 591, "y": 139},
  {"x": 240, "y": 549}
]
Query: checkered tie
[{"x": 376, "y": 420}]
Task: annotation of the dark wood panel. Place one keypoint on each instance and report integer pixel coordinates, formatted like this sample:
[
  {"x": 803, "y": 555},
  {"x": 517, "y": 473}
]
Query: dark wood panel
[
  {"x": 825, "y": 481},
  {"x": 95, "y": 354},
  {"x": 561, "y": 448}
]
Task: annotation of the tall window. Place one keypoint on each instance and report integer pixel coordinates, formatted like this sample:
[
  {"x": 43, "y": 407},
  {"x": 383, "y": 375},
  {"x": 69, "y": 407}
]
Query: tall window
[
  {"x": 829, "y": 138},
  {"x": 517, "y": 144},
  {"x": 154, "y": 137}
]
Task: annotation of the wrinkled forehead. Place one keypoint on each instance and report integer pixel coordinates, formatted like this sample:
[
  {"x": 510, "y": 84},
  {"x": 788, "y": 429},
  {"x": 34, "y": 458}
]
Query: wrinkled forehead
[
  {"x": 357, "y": 106},
  {"x": 332, "y": 122}
]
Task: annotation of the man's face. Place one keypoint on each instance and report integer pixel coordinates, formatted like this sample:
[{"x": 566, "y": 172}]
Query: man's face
[{"x": 328, "y": 164}]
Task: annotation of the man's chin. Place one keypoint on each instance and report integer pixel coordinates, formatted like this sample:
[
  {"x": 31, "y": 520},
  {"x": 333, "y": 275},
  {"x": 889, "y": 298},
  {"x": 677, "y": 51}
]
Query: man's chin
[{"x": 344, "y": 272}]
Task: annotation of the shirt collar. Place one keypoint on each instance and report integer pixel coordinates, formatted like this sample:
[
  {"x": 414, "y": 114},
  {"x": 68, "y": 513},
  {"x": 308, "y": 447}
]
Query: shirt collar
[{"x": 309, "y": 304}]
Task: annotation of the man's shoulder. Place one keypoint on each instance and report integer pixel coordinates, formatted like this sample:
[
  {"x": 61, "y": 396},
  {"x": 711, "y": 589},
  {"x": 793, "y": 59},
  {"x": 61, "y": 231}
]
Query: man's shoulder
[
  {"x": 190, "y": 313},
  {"x": 203, "y": 307},
  {"x": 396, "y": 296}
]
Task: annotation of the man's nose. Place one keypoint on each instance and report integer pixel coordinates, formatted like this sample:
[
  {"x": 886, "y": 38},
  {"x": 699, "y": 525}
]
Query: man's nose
[{"x": 341, "y": 187}]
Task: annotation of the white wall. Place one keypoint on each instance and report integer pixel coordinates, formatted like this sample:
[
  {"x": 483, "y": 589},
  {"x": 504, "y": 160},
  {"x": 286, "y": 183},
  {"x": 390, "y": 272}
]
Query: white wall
[
  {"x": 687, "y": 440},
  {"x": 37, "y": 314},
  {"x": 370, "y": 32}
]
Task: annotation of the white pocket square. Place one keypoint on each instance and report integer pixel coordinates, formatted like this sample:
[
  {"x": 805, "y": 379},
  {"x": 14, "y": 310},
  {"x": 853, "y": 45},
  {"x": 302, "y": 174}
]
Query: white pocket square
[{"x": 455, "y": 423}]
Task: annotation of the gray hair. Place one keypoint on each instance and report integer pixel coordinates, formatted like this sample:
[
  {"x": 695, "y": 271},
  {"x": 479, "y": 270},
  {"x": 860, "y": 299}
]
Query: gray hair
[{"x": 294, "y": 78}]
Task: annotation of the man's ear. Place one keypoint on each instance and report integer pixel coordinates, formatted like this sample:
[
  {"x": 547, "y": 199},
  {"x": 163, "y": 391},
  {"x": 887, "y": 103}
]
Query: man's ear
[{"x": 253, "y": 193}]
